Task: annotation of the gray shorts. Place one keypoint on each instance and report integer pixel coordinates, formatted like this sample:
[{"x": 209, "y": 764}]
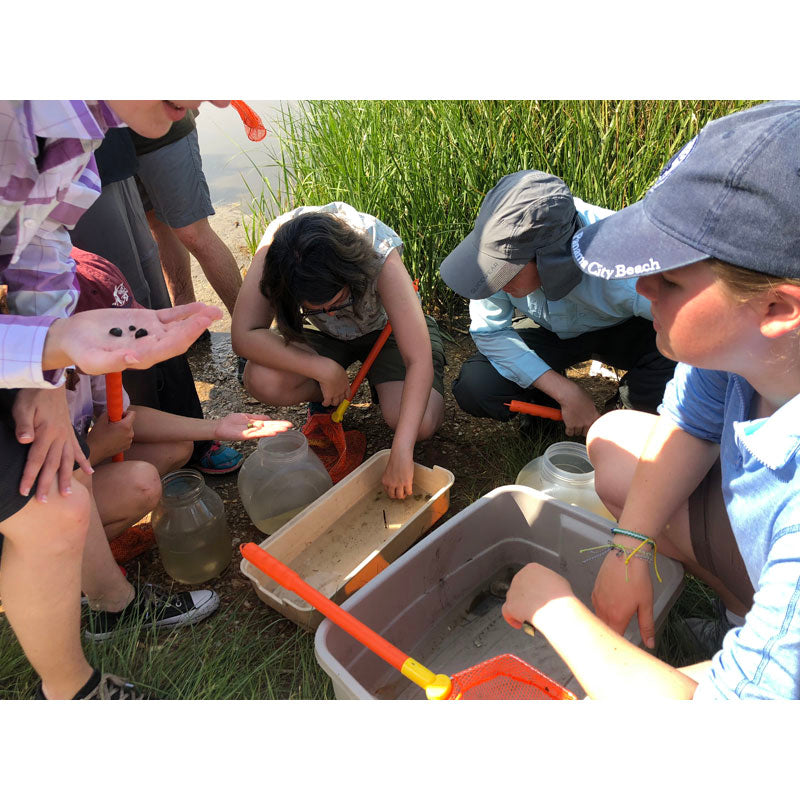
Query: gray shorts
[
  {"x": 713, "y": 541},
  {"x": 171, "y": 183}
]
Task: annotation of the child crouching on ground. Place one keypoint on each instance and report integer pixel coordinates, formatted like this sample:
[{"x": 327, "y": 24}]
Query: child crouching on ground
[
  {"x": 713, "y": 481},
  {"x": 331, "y": 277},
  {"x": 153, "y": 442}
]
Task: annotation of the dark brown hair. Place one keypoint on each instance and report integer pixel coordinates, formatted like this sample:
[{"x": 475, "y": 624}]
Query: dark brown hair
[{"x": 311, "y": 259}]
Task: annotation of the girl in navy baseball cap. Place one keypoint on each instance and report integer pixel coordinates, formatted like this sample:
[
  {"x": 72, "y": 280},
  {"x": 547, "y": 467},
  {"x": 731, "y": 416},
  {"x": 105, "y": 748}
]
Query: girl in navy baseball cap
[{"x": 713, "y": 480}]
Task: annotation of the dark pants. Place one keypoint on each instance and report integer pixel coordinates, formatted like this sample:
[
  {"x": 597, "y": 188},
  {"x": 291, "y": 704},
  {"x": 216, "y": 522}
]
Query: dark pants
[{"x": 482, "y": 391}]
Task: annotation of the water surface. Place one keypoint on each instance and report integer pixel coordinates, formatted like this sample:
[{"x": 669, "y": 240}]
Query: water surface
[{"x": 227, "y": 152}]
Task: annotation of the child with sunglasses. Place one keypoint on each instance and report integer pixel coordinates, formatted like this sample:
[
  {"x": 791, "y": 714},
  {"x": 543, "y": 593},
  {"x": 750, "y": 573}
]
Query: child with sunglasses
[
  {"x": 712, "y": 481},
  {"x": 331, "y": 277}
]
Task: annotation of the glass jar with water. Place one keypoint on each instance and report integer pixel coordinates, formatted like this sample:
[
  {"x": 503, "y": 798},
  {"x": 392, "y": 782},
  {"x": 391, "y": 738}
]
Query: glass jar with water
[
  {"x": 190, "y": 528},
  {"x": 280, "y": 479},
  {"x": 565, "y": 473}
]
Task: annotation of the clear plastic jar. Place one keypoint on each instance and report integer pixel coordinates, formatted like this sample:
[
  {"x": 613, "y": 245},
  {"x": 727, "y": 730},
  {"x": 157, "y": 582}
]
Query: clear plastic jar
[
  {"x": 565, "y": 473},
  {"x": 190, "y": 528},
  {"x": 280, "y": 479}
]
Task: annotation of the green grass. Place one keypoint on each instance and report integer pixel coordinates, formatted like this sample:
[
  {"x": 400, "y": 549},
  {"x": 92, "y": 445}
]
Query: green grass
[
  {"x": 423, "y": 167},
  {"x": 234, "y": 655}
]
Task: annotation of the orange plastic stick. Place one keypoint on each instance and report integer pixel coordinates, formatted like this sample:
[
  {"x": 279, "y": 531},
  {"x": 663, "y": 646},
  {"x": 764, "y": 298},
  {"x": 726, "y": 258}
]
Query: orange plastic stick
[
  {"x": 114, "y": 401},
  {"x": 370, "y": 360},
  {"x": 535, "y": 410},
  {"x": 290, "y": 580},
  {"x": 252, "y": 122}
]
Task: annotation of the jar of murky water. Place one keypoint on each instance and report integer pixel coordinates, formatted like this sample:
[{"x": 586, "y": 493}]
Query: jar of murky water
[
  {"x": 565, "y": 473},
  {"x": 280, "y": 479},
  {"x": 190, "y": 528}
]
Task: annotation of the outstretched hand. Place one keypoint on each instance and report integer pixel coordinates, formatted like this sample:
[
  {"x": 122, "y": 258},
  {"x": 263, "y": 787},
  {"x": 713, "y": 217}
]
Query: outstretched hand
[
  {"x": 85, "y": 340},
  {"x": 236, "y": 427}
]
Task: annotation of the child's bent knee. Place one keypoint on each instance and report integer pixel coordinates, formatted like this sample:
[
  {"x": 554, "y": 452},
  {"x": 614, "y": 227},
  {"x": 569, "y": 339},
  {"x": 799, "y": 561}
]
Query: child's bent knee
[{"x": 145, "y": 482}]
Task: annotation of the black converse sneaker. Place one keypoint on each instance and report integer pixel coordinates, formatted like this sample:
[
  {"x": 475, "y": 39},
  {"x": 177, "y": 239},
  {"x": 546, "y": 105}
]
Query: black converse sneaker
[
  {"x": 103, "y": 686},
  {"x": 153, "y": 607}
]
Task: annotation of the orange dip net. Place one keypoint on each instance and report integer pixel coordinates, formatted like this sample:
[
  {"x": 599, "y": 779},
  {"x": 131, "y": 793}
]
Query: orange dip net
[{"x": 340, "y": 451}]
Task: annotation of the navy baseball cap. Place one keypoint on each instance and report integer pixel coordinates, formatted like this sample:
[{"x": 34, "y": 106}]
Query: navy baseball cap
[
  {"x": 732, "y": 193},
  {"x": 526, "y": 215}
]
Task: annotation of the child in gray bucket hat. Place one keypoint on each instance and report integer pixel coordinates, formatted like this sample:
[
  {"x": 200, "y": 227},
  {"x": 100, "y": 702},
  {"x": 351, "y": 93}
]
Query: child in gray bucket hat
[
  {"x": 516, "y": 262},
  {"x": 714, "y": 480}
]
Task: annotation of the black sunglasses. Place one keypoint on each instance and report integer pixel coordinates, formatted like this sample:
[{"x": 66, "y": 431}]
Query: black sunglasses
[{"x": 346, "y": 304}]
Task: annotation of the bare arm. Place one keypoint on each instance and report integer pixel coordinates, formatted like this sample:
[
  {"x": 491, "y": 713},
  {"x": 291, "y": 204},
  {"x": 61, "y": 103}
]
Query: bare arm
[
  {"x": 152, "y": 425},
  {"x": 411, "y": 334},
  {"x": 576, "y": 404},
  {"x": 671, "y": 466},
  {"x": 252, "y": 338},
  {"x": 606, "y": 665}
]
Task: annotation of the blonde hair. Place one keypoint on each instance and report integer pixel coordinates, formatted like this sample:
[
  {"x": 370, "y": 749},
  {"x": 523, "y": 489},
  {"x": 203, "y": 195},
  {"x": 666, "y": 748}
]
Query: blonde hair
[{"x": 745, "y": 284}]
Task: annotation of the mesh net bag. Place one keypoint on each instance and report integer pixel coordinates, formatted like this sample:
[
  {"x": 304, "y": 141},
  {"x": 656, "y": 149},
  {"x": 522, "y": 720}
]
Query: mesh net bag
[
  {"x": 506, "y": 677},
  {"x": 252, "y": 122},
  {"x": 135, "y": 541},
  {"x": 340, "y": 451}
]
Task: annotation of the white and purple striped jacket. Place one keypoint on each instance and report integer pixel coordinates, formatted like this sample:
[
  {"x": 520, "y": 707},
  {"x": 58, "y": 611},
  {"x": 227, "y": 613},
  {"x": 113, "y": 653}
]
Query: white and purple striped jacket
[{"x": 48, "y": 178}]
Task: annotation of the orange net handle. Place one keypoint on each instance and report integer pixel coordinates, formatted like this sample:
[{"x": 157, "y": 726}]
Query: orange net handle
[
  {"x": 252, "y": 122},
  {"x": 365, "y": 367},
  {"x": 535, "y": 410},
  {"x": 290, "y": 580},
  {"x": 114, "y": 402}
]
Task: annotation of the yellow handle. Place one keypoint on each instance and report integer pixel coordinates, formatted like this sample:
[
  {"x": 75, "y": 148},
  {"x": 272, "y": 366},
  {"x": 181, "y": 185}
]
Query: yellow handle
[
  {"x": 437, "y": 687},
  {"x": 338, "y": 415}
]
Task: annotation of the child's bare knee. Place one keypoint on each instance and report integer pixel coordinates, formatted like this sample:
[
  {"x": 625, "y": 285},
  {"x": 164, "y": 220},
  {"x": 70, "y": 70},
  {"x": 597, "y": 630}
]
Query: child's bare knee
[
  {"x": 600, "y": 434},
  {"x": 145, "y": 484}
]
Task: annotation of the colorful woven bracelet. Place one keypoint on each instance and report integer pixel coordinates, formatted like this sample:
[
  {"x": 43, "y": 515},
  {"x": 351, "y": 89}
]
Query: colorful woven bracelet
[
  {"x": 628, "y": 553},
  {"x": 633, "y": 535}
]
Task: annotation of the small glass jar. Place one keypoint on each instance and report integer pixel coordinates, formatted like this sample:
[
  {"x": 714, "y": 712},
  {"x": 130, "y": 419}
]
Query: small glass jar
[
  {"x": 190, "y": 528},
  {"x": 280, "y": 479},
  {"x": 565, "y": 473}
]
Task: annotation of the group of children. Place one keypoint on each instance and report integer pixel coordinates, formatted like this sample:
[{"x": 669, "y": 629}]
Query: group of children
[{"x": 709, "y": 480}]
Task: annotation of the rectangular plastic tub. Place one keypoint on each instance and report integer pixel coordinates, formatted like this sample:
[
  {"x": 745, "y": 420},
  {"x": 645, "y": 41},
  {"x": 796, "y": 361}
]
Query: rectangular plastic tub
[
  {"x": 439, "y": 602},
  {"x": 349, "y": 535}
]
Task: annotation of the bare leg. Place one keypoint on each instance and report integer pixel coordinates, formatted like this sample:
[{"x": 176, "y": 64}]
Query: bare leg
[
  {"x": 175, "y": 261},
  {"x": 124, "y": 493},
  {"x": 102, "y": 582},
  {"x": 277, "y": 388},
  {"x": 614, "y": 443},
  {"x": 390, "y": 394},
  {"x": 215, "y": 259},
  {"x": 40, "y": 583},
  {"x": 164, "y": 456}
]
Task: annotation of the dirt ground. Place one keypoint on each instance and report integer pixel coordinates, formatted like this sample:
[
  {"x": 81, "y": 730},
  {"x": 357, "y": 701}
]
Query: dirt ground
[{"x": 460, "y": 444}]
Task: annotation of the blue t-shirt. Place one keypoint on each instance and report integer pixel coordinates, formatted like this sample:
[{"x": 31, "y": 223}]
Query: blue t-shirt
[{"x": 761, "y": 489}]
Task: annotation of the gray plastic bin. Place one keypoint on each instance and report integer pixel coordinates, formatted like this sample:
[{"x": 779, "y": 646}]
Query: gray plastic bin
[{"x": 434, "y": 601}]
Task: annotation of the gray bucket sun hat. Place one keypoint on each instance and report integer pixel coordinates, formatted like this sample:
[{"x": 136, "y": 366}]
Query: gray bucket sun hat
[
  {"x": 732, "y": 193},
  {"x": 526, "y": 215}
]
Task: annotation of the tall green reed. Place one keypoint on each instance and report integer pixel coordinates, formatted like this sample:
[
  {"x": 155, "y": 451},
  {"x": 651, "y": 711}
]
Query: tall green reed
[{"x": 424, "y": 166}]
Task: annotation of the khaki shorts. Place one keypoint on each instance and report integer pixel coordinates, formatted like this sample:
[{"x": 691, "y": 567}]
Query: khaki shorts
[
  {"x": 713, "y": 541},
  {"x": 388, "y": 365}
]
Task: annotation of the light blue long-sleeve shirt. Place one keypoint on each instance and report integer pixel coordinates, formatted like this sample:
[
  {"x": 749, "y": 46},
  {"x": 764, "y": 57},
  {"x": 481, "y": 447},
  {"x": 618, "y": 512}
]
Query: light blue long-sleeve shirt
[{"x": 591, "y": 305}]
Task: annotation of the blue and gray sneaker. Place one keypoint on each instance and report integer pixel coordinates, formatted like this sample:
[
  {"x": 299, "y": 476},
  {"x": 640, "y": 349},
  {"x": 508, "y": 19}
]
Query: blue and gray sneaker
[{"x": 220, "y": 460}]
